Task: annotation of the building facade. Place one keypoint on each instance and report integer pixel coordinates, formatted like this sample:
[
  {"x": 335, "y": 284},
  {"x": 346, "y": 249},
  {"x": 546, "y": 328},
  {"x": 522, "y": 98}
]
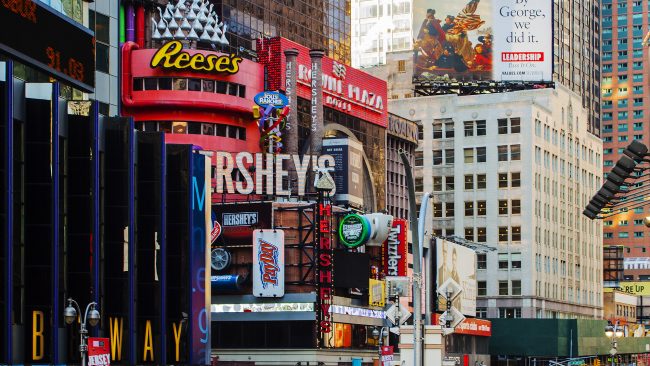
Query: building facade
[
  {"x": 624, "y": 107},
  {"x": 512, "y": 171},
  {"x": 402, "y": 135},
  {"x": 378, "y": 27}
]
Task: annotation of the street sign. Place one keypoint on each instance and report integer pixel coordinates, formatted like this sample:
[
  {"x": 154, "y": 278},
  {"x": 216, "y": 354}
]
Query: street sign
[
  {"x": 450, "y": 289},
  {"x": 394, "y": 330},
  {"x": 391, "y": 313},
  {"x": 454, "y": 316},
  {"x": 404, "y": 315}
]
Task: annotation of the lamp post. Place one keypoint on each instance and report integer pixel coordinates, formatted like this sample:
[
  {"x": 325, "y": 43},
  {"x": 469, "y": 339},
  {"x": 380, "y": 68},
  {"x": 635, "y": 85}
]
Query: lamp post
[
  {"x": 91, "y": 315},
  {"x": 613, "y": 333},
  {"x": 379, "y": 334}
]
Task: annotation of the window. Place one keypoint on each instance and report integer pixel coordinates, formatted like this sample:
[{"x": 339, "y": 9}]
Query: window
[
  {"x": 503, "y": 207},
  {"x": 419, "y": 158},
  {"x": 516, "y": 207},
  {"x": 469, "y": 182},
  {"x": 516, "y": 233},
  {"x": 502, "y": 152},
  {"x": 437, "y": 184},
  {"x": 469, "y": 155},
  {"x": 437, "y": 130},
  {"x": 437, "y": 210},
  {"x": 481, "y": 234},
  {"x": 437, "y": 157},
  {"x": 515, "y": 152},
  {"x": 401, "y": 65},
  {"x": 449, "y": 156},
  {"x": 469, "y": 233},
  {"x": 503, "y": 287},
  {"x": 481, "y": 288},
  {"x": 449, "y": 209},
  {"x": 469, "y": 128},
  {"x": 503, "y": 233},
  {"x": 503, "y": 180},
  {"x": 481, "y": 208},
  {"x": 481, "y": 312},
  {"x": 449, "y": 183},
  {"x": 503, "y": 260},
  {"x": 449, "y": 129},
  {"x": 100, "y": 24},
  {"x": 516, "y": 287},
  {"x": 469, "y": 208},
  {"x": 509, "y": 312},
  {"x": 516, "y": 180},
  {"x": 623, "y": 234},
  {"x": 515, "y": 260},
  {"x": 480, "y": 154},
  {"x": 502, "y": 126},
  {"x": 481, "y": 261},
  {"x": 481, "y": 181},
  {"x": 515, "y": 125},
  {"x": 480, "y": 128}
]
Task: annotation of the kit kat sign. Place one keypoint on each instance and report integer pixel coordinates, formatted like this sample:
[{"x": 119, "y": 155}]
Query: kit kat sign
[{"x": 344, "y": 88}]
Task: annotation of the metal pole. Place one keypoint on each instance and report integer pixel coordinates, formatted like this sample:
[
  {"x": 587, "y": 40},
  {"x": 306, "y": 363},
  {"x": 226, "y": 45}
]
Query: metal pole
[
  {"x": 424, "y": 207},
  {"x": 417, "y": 270}
]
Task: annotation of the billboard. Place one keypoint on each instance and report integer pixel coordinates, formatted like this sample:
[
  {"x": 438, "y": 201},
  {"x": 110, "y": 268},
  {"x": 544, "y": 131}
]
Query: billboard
[
  {"x": 638, "y": 288},
  {"x": 348, "y": 170},
  {"x": 502, "y": 40},
  {"x": 239, "y": 220},
  {"x": 268, "y": 263},
  {"x": 458, "y": 263},
  {"x": 395, "y": 251}
]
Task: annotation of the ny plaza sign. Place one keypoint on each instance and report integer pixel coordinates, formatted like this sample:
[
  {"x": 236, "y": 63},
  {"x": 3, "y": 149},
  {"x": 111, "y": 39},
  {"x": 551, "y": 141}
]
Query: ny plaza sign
[{"x": 263, "y": 173}]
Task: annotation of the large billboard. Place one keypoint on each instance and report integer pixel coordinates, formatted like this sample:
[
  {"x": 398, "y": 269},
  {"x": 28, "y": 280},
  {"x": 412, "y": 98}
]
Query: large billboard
[
  {"x": 348, "y": 170},
  {"x": 458, "y": 263},
  {"x": 502, "y": 40}
]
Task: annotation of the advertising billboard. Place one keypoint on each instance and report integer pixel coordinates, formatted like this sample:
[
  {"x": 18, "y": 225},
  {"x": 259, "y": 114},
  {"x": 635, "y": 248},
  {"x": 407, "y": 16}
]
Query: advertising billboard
[
  {"x": 348, "y": 170},
  {"x": 395, "y": 251},
  {"x": 268, "y": 263},
  {"x": 239, "y": 220},
  {"x": 458, "y": 264},
  {"x": 502, "y": 40}
]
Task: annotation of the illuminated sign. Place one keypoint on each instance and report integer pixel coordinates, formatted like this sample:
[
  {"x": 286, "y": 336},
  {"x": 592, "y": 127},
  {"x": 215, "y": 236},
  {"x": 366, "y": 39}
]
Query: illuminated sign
[
  {"x": 324, "y": 276},
  {"x": 267, "y": 98},
  {"x": 269, "y": 171},
  {"x": 268, "y": 263},
  {"x": 354, "y": 230},
  {"x": 395, "y": 250},
  {"x": 172, "y": 56},
  {"x": 49, "y": 41}
]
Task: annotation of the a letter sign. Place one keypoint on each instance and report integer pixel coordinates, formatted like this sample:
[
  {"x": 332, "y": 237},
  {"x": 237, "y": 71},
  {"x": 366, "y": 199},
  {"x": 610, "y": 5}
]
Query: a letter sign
[
  {"x": 172, "y": 56},
  {"x": 354, "y": 230},
  {"x": 268, "y": 263},
  {"x": 99, "y": 352},
  {"x": 271, "y": 98}
]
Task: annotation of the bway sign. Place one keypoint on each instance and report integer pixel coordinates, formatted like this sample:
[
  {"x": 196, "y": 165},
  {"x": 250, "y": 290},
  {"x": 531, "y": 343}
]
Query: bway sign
[
  {"x": 268, "y": 174},
  {"x": 99, "y": 352},
  {"x": 172, "y": 56},
  {"x": 268, "y": 263},
  {"x": 395, "y": 249},
  {"x": 354, "y": 230}
]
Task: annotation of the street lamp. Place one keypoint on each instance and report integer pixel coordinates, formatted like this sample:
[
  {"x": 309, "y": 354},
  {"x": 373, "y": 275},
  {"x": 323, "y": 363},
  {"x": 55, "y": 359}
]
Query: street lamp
[
  {"x": 379, "y": 335},
  {"x": 91, "y": 315},
  {"x": 613, "y": 332}
]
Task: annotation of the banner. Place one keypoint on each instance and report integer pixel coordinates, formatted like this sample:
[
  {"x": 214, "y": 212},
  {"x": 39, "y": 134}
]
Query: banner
[
  {"x": 268, "y": 263},
  {"x": 99, "y": 351},
  {"x": 395, "y": 251},
  {"x": 459, "y": 264},
  {"x": 377, "y": 293},
  {"x": 638, "y": 288},
  {"x": 502, "y": 40}
]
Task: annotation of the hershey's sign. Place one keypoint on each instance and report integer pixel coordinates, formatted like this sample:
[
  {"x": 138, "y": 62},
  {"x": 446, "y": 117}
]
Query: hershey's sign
[{"x": 268, "y": 173}]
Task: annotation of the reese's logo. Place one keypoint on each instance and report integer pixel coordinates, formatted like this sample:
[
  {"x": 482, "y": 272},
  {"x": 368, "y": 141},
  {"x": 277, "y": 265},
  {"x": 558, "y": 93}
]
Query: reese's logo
[{"x": 171, "y": 56}]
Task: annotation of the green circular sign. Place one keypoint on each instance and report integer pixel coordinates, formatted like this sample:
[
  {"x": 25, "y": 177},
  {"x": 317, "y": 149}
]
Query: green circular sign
[{"x": 354, "y": 230}]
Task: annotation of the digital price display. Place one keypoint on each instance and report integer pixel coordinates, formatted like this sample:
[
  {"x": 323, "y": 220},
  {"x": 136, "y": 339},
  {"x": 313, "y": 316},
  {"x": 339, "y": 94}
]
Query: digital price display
[{"x": 39, "y": 36}]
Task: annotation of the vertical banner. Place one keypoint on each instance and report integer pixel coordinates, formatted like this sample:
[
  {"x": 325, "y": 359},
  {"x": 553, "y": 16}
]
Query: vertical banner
[
  {"x": 324, "y": 273},
  {"x": 199, "y": 308},
  {"x": 268, "y": 263},
  {"x": 395, "y": 251},
  {"x": 317, "y": 124},
  {"x": 207, "y": 273},
  {"x": 348, "y": 170},
  {"x": 291, "y": 127},
  {"x": 99, "y": 351}
]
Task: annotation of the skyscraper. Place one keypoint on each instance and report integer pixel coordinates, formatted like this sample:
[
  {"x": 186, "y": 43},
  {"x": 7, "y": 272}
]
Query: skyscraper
[
  {"x": 624, "y": 102},
  {"x": 380, "y": 26}
]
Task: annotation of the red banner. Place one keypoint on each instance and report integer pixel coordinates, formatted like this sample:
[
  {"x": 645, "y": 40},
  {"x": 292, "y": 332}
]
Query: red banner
[
  {"x": 471, "y": 326},
  {"x": 99, "y": 351},
  {"x": 395, "y": 250}
]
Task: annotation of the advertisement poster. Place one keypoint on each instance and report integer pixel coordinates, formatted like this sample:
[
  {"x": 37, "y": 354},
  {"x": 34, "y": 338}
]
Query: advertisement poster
[
  {"x": 268, "y": 263},
  {"x": 502, "y": 40},
  {"x": 395, "y": 250},
  {"x": 99, "y": 351},
  {"x": 348, "y": 170},
  {"x": 458, "y": 263},
  {"x": 239, "y": 220},
  {"x": 377, "y": 293}
]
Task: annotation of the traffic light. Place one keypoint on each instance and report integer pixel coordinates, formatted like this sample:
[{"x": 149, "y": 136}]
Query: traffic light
[{"x": 596, "y": 362}]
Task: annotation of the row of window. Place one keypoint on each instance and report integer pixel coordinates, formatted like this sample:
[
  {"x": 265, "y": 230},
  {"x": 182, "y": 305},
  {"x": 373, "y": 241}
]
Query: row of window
[
  {"x": 477, "y": 208},
  {"x": 566, "y": 142},
  {"x": 622, "y": 66},
  {"x": 623, "y": 138},
  {"x": 191, "y": 84},
  {"x": 623, "y": 114},
  {"x": 481, "y": 312},
  {"x": 624, "y": 235},
  {"x": 637, "y": 78},
  {"x": 195, "y": 128},
  {"x": 473, "y": 128},
  {"x": 470, "y": 155},
  {"x": 622, "y": 127},
  {"x": 471, "y": 181},
  {"x": 637, "y": 222},
  {"x": 504, "y": 290}
]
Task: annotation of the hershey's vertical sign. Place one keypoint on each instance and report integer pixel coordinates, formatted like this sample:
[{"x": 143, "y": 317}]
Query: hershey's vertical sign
[{"x": 324, "y": 275}]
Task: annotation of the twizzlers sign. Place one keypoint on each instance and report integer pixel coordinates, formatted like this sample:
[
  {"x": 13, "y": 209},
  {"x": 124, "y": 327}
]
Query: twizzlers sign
[
  {"x": 395, "y": 249},
  {"x": 325, "y": 280}
]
